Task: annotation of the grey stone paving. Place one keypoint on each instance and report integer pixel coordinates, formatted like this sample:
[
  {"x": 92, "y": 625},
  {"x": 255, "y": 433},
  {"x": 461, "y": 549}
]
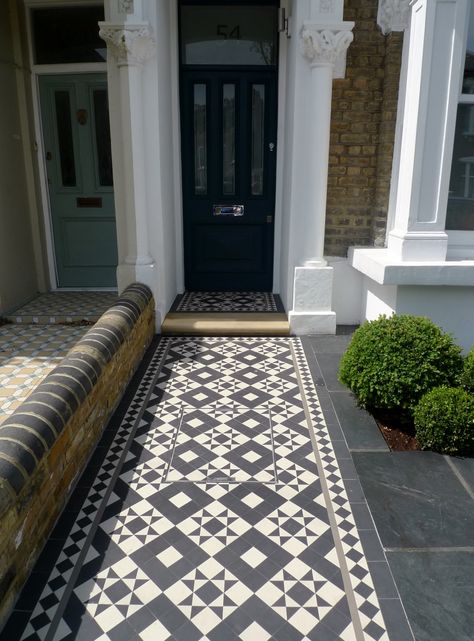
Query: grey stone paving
[{"x": 423, "y": 508}]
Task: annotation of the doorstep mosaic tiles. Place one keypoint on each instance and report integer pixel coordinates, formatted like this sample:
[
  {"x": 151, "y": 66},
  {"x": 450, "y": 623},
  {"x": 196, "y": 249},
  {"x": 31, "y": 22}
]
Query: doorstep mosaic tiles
[
  {"x": 64, "y": 307},
  {"x": 218, "y": 514},
  {"x": 27, "y": 355},
  {"x": 227, "y": 302}
]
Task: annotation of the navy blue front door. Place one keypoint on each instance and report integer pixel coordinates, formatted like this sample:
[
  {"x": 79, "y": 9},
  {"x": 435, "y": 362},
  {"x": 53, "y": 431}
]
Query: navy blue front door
[{"x": 228, "y": 126}]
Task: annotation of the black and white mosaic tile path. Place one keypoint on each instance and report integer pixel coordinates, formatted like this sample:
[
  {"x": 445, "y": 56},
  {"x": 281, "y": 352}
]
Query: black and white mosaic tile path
[
  {"x": 228, "y": 302},
  {"x": 218, "y": 514}
]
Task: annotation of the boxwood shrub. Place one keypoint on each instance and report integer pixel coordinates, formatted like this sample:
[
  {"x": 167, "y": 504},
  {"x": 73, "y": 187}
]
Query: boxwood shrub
[
  {"x": 467, "y": 376},
  {"x": 444, "y": 421},
  {"x": 392, "y": 362}
]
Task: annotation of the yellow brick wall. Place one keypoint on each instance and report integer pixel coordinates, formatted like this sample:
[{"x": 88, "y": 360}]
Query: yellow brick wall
[
  {"x": 27, "y": 519},
  {"x": 362, "y": 133}
]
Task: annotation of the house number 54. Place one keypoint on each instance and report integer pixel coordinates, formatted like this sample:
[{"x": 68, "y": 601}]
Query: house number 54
[{"x": 228, "y": 32}]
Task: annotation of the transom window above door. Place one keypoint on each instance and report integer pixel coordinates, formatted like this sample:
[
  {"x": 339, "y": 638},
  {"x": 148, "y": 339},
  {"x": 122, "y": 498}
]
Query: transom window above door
[
  {"x": 229, "y": 34},
  {"x": 64, "y": 35}
]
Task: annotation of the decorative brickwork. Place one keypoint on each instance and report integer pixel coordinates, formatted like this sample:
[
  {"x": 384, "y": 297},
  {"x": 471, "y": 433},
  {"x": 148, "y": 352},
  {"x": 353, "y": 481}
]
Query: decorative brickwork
[
  {"x": 46, "y": 443},
  {"x": 362, "y": 133}
]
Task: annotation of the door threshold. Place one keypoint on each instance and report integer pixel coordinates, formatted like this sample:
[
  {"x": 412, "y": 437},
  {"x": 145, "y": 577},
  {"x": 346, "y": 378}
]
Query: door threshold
[{"x": 225, "y": 324}]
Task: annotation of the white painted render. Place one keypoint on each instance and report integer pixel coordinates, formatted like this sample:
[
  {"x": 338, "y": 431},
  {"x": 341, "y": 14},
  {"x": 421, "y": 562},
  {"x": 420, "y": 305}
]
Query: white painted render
[{"x": 18, "y": 266}]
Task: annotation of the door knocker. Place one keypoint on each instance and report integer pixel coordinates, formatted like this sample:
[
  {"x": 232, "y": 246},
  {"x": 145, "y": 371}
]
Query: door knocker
[{"x": 81, "y": 115}]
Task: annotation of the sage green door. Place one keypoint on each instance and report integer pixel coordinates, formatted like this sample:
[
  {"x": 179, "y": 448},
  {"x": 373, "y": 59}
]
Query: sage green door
[{"x": 76, "y": 136}]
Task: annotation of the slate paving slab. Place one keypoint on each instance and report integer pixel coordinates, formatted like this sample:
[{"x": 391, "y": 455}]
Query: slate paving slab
[
  {"x": 415, "y": 499},
  {"x": 437, "y": 590}
]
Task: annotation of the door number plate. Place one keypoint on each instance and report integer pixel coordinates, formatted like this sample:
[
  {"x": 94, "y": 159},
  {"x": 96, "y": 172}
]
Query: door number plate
[{"x": 228, "y": 210}]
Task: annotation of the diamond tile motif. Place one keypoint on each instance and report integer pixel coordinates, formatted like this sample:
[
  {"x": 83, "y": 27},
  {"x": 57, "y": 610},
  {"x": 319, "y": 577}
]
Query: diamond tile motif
[
  {"x": 212, "y": 517},
  {"x": 218, "y": 446},
  {"x": 116, "y": 593},
  {"x": 227, "y": 302},
  {"x": 208, "y": 595}
]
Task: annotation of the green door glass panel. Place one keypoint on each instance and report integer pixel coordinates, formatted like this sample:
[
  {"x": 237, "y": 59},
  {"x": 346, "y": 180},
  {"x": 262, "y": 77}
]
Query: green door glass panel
[{"x": 76, "y": 133}]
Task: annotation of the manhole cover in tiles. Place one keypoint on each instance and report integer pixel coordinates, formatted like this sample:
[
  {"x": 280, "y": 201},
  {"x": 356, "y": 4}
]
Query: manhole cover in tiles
[{"x": 223, "y": 447}]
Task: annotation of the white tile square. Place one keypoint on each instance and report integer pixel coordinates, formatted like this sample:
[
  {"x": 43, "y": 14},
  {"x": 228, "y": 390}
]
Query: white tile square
[
  {"x": 253, "y": 557},
  {"x": 252, "y": 500},
  {"x": 251, "y": 456},
  {"x": 188, "y": 456},
  {"x": 169, "y": 556},
  {"x": 180, "y": 499}
]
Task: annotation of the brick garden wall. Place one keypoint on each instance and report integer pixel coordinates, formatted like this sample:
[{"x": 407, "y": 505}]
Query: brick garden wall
[
  {"x": 46, "y": 442},
  {"x": 362, "y": 133}
]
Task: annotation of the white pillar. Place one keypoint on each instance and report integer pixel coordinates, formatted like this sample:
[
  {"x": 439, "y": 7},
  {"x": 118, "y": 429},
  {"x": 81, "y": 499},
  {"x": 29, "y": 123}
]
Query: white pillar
[
  {"x": 324, "y": 40},
  {"x": 429, "y": 91},
  {"x": 130, "y": 44},
  {"x": 322, "y": 45}
]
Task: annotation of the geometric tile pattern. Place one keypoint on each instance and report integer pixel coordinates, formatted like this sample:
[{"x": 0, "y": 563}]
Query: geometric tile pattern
[
  {"x": 227, "y": 302},
  {"x": 213, "y": 516},
  {"x": 64, "y": 307},
  {"x": 27, "y": 355}
]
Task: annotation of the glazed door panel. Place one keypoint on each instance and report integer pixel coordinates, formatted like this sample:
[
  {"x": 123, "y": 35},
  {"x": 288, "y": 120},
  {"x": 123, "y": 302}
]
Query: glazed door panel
[
  {"x": 228, "y": 122},
  {"x": 79, "y": 169}
]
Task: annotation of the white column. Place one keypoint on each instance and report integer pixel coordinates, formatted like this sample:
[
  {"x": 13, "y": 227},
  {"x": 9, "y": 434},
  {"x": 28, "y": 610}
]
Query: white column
[
  {"x": 322, "y": 45},
  {"x": 130, "y": 44},
  {"x": 429, "y": 91},
  {"x": 324, "y": 40}
]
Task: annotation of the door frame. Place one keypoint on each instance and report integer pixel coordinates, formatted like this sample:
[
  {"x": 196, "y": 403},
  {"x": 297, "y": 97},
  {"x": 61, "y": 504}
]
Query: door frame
[
  {"x": 278, "y": 281},
  {"x": 36, "y": 72}
]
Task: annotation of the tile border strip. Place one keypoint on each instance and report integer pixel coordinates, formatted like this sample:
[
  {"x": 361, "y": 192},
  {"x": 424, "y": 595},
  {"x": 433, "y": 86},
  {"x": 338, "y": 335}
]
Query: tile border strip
[{"x": 333, "y": 487}]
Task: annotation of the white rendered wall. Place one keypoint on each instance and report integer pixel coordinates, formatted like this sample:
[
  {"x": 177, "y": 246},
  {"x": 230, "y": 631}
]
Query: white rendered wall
[
  {"x": 150, "y": 119},
  {"x": 18, "y": 280},
  {"x": 347, "y": 292},
  {"x": 451, "y": 308},
  {"x": 160, "y": 153}
]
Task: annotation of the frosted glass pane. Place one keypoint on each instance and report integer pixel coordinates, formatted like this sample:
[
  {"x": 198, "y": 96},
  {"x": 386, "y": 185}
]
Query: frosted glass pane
[
  {"x": 65, "y": 141},
  {"x": 258, "y": 137},
  {"x": 228, "y": 139},
  {"x": 229, "y": 35},
  {"x": 200, "y": 139}
]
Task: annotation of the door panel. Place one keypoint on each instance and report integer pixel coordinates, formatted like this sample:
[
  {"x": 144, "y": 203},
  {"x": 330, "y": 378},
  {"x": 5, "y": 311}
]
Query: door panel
[
  {"x": 78, "y": 160},
  {"x": 229, "y": 159}
]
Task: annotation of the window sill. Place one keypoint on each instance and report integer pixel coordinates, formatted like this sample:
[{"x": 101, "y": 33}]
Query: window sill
[{"x": 382, "y": 267}]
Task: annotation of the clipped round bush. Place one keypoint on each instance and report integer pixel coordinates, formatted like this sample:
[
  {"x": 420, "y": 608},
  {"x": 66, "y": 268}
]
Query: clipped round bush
[
  {"x": 467, "y": 376},
  {"x": 392, "y": 362},
  {"x": 444, "y": 421}
]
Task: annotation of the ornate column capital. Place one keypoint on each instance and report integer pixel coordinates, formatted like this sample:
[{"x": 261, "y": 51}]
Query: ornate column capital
[
  {"x": 327, "y": 44},
  {"x": 130, "y": 44},
  {"x": 393, "y": 15}
]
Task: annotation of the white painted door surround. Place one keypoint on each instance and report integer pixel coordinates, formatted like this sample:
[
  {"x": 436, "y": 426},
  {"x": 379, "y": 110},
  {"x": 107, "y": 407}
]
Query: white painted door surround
[
  {"x": 143, "y": 73},
  {"x": 316, "y": 54}
]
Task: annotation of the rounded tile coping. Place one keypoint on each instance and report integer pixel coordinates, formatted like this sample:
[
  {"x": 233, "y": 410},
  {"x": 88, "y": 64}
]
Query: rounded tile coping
[{"x": 31, "y": 431}]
